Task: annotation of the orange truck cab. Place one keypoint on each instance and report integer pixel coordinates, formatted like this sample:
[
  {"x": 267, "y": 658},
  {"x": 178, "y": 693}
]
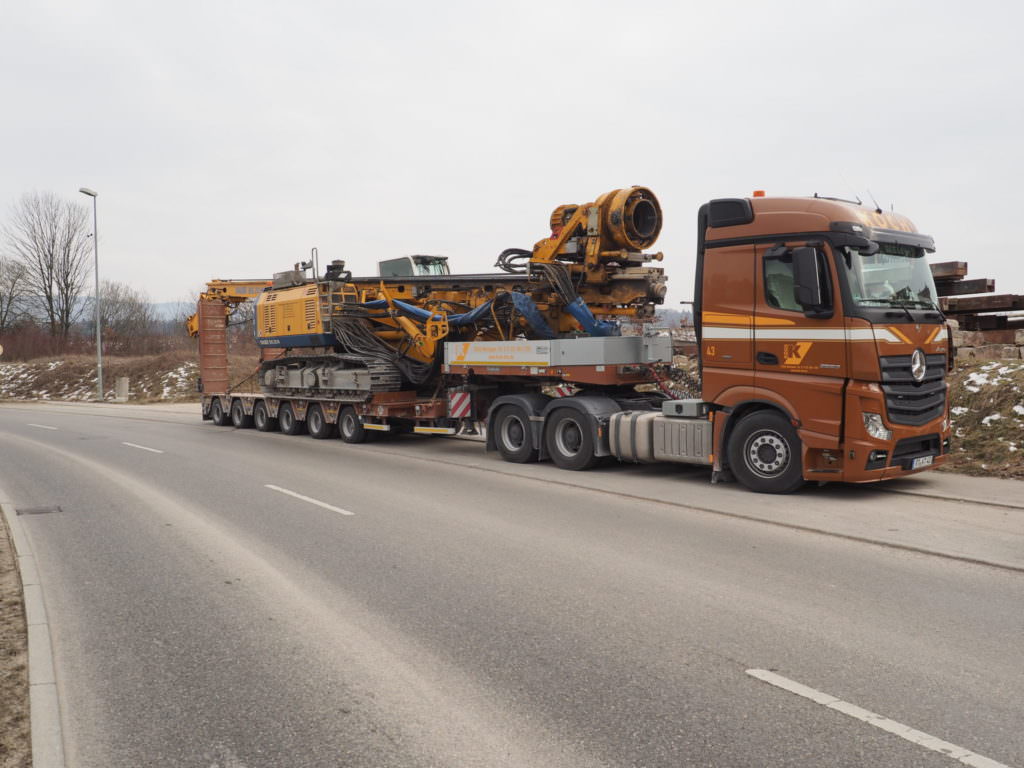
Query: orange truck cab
[{"x": 823, "y": 350}]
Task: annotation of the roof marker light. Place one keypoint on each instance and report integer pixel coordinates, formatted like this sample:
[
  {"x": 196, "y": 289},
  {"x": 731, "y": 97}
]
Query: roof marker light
[{"x": 758, "y": 193}]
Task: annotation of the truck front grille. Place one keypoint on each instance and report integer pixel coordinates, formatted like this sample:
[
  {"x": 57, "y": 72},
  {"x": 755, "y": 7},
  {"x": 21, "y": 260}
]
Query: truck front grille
[{"x": 908, "y": 401}]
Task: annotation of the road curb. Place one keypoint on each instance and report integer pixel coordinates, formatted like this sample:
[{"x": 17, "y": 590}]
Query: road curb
[{"x": 44, "y": 702}]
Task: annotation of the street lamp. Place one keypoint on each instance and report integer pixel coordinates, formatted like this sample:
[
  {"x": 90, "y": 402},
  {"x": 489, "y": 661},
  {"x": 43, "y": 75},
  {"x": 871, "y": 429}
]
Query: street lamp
[{"x": 96, "y": 270}]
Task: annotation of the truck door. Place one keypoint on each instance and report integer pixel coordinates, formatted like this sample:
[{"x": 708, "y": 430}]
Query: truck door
[
  {"x": 799, "y": 358},
  {"x": 726, "y": 319}
]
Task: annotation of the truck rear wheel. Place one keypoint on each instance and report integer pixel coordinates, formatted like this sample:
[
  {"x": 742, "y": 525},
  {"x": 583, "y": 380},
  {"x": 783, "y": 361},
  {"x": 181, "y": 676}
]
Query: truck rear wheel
[
  {"x": 350, "y": 426},
  {"x": 238, "y": 416},
  {"x": 319, "y": 427},
  {"x": 217, "y": 415},
  {"x": 569, "y": 439},
  {"x": 261, "y": 417},
  {"x": 765, "y": 453},
  {"x": 289, "y": 424},
  {"x": 512, "y": 435}
]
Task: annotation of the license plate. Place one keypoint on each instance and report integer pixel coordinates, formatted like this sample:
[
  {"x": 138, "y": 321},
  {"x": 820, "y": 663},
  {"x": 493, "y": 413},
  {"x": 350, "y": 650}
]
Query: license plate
[{"x": 923, "y": 461}]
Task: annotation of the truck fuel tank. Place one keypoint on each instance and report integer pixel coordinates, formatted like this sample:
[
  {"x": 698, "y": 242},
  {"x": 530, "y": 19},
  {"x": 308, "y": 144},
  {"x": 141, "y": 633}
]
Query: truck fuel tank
[{"x": 649, "y": 436}]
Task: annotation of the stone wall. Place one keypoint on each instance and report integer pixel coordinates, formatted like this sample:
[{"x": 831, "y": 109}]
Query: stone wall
[{"x": 1001, "y": 344}]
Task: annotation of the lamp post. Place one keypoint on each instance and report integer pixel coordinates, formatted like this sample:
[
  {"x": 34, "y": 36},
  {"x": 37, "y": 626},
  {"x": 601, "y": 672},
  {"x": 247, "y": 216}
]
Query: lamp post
[{"x": 96, "y": 271}]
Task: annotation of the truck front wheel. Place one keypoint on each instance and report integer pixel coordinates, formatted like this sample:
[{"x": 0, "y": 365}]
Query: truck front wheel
[
  {"x": 569, "y": 438},
  {"x": 764, "y": 453},
  {"x": 512, "y": 435}
]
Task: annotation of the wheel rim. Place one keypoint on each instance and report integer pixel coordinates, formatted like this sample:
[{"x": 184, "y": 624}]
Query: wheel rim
[
  {"x": 568, "y": 437},
  {"x": 348, "y": 425},
  {"x": 286, "y": 418},
  {"x": 215, "y": 410},
  {"x": 314, "y": 421},
  {"x": 259, "y": 416},
  {"x": 236, "y": 413},
  {"x": 767, "y": 453},
  {"x": 513, "y": 433}
]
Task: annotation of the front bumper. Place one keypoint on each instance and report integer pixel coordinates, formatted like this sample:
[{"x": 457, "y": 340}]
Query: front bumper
[{"x": 862, "y": 458}]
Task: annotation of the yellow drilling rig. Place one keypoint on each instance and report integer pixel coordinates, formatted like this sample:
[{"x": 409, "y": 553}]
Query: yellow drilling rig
[{"x": 354, "y": 336}]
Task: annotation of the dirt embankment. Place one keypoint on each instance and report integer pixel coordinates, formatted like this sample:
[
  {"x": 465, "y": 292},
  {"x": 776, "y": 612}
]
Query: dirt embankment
[
  {"x": 169, "y": 377},
  {"x": 987, "y": 411}
]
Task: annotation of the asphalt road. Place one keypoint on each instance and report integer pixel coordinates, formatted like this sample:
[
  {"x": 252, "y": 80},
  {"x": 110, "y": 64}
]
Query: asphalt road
[{"x": 426, "y": 604}]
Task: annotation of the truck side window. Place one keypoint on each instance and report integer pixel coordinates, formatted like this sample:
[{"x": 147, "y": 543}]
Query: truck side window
[{"x": 779, "y": 283}]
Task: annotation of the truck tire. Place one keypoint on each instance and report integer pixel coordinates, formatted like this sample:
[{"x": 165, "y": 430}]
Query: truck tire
[
  {"x": 217, "y": 415},
  {"x": 512, "y": 435},
  {"x": 238, "y": 417},
  {"x": 287, "y": 421},
  {"x": 316, "y": 422},
  {"x": 765, "y": 453},
  {"x": 350, "y": 426},
  {"x": 569, "y": 439},
  {"x": 261, "y": 417}
]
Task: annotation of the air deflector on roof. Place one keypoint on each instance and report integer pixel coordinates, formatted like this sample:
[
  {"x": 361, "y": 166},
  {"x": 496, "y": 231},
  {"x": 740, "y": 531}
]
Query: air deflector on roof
[{"x": 729, "y": 212}]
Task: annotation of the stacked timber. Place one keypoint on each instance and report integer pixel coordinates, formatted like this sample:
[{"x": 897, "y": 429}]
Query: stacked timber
[{"x": 989, "y": 326}]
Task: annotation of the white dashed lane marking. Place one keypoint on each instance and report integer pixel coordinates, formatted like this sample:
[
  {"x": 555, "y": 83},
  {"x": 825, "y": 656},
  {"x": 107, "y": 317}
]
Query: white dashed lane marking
[
  {"x": 317, "y": 502},
  {"x": 142, "y": 447},
  {"x": 920, "y": 738}
]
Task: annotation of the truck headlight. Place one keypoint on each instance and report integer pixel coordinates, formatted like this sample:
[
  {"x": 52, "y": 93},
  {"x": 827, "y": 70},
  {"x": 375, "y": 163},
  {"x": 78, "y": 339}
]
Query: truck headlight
[{"x": 875, "y": 427}]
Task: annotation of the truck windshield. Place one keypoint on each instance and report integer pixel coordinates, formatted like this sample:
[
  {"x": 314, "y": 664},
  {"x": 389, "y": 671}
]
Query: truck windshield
[{"x": 894, "y": 276}]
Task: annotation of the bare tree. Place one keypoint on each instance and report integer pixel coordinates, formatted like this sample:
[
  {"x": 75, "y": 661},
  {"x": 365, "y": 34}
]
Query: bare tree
[
  {"x": 128, "y": 320},
  {"x": 49, "y": 237},
  {"x": 125, "y": 313},
  {"x": 12, "y": 292}
]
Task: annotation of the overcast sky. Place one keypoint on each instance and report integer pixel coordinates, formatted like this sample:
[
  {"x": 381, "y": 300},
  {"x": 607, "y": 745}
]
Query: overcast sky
[{"x": 227, "y": 138}]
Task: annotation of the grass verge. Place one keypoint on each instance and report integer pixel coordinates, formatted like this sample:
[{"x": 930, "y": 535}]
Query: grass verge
[{"x": 15, "y": 744}]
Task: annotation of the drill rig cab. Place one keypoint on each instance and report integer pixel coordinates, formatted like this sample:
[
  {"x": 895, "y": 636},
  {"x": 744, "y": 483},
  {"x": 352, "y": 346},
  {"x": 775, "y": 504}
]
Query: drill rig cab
[{"x": 410, "y": 266}]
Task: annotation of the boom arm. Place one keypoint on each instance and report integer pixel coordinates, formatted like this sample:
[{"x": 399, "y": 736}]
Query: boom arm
[{"x": 230, "y": 292}]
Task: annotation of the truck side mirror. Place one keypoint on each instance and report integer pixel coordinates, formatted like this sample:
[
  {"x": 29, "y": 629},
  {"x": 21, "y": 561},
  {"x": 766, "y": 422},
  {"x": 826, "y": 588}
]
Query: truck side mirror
[{"x": 808, "y": 282}]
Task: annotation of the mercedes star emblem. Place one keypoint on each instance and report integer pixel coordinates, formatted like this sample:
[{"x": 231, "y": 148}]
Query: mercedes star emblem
[{"x": 918, "y": 366}]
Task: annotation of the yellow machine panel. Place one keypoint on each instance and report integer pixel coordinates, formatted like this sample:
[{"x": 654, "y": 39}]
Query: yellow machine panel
[{"x": 290, "y": 317}]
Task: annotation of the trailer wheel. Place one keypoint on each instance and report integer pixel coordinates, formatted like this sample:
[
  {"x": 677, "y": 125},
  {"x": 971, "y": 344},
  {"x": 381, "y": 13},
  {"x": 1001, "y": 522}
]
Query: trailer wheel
[
  {"x": 569, "y": 439},
  {"x": 261, "y": 417},
  {"x": 350, "y": 427},
  {"x": 319, "y": 427},
  {"x": 765, "y": 453},
  {"x": 513, "y": 436},
  {"x": 238, "y": 417},
  {"x": 286, "y": 419},
  {"x": 217, "y": 415}
]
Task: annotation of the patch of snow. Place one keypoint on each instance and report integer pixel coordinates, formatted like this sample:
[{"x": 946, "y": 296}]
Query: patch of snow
[
  {"x": 959, "y": 410},
  {"x": 987, "y": 421},
  {"x": 1019, "y": 410},
  {"x": 975, "y": 381}
]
